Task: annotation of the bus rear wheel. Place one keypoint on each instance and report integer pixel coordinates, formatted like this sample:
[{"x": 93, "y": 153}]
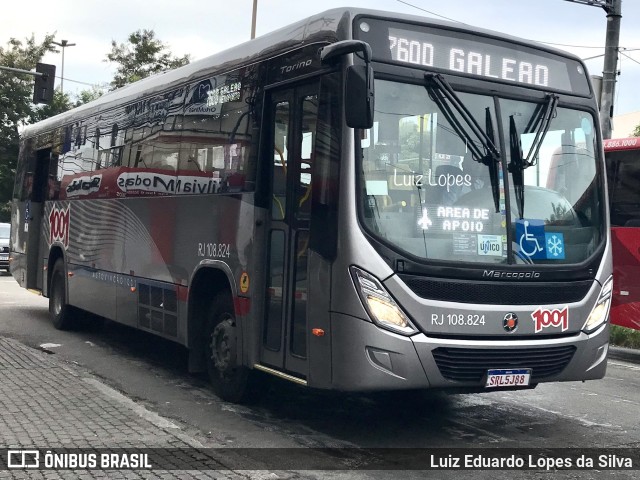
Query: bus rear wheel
[
  {"x": 230, "y": 381},
  {"x": 61, "y": 313}
]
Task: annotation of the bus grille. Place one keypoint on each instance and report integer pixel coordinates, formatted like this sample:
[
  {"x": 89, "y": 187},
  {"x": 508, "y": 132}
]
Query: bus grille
[
  {"x": 504, "y": 293},
  {"x": 471, "y": 364}
]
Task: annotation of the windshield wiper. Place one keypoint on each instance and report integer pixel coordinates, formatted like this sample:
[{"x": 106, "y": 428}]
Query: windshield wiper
[
  {"x": 516, "y": 165},
  {"x": 540, "y": 122},
  {"x": 486, "y": 153}
]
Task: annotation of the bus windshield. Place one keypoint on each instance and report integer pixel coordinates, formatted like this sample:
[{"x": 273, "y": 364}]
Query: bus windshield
[{"x": 426, "y": 195}]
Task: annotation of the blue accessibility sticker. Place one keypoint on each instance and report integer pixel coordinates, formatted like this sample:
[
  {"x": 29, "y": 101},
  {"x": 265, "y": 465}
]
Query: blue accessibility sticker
[
  {"x": 554, "y": 243},
  {"x": 531, "y": 239}
]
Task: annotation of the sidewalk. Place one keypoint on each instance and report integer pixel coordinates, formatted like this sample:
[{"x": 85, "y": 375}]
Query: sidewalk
[
  {"x": 46, "y": 403},
  {"x": 626, "y": 354}
]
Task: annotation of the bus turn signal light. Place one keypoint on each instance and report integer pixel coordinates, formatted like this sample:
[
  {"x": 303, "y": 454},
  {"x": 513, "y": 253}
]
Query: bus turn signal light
[{"x": 318, "y": 332}]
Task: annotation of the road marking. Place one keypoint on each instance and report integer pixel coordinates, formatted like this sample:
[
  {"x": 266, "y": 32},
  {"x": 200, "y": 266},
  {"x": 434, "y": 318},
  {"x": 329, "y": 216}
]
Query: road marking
[
  {"x": 581, "y": 420},
  {"x": 624, "y": 365}
]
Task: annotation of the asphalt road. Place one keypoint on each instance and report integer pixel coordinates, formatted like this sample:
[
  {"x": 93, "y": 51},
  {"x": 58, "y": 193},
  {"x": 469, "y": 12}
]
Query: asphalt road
[{"x": 152, "y": 371}]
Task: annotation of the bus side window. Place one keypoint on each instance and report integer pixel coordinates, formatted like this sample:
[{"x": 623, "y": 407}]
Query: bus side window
[
  {"x": 625, "y": 188},
  {"x": 280, "y": 136},
  {"x": 53, "y": 184},
  {"x": 117, "y": 142},
  {"x": 303, "y": 186}
]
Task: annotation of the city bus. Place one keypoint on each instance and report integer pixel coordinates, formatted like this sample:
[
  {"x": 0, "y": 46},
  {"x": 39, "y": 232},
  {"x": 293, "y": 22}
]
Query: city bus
[
  {"x": 622, "y": 159},
  {"x": 360, "y": 201}
]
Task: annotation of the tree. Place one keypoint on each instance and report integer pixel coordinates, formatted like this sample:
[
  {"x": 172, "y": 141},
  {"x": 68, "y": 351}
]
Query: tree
[
  {"x": 16, "y": 109},
  {"x": 636, "y": 132},
  {"x": 61, "y": 103},
  {"x": 143, "y": 55},
  {"x": 88, "y": 95}
]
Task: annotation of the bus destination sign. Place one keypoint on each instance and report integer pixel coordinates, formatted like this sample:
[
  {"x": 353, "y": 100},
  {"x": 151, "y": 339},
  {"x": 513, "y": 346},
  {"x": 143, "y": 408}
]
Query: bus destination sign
[
  {"x": 475, "y": 58},
  {"x": 473, "y": 54}
]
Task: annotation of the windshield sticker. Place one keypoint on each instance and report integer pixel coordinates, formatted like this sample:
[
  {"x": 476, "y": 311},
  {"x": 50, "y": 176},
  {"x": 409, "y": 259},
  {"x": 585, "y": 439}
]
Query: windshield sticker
[
  {"x": 544, "y": 318},
  {"x": 465, "y": 244},
  {"x": 531, "y": 238},
  {"x": 490, "y": 245},
  {"x": 536, "y": 244},
  {"x": 555, "y": 246}
]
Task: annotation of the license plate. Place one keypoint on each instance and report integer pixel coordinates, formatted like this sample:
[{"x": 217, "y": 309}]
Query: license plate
[
  {"x": 508, "y": 378},
  {"x": 4, "y": 256}
]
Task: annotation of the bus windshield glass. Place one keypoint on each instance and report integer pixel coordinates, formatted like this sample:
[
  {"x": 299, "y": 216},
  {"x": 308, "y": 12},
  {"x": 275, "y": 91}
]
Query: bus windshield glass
[{"x": 425, "y": 194}]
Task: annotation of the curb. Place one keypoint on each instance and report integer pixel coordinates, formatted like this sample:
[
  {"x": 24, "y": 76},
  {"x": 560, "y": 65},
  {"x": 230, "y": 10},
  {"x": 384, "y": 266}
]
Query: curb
[{"x": 627, "y": 354}]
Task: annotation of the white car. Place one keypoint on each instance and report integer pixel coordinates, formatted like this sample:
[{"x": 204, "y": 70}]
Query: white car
[{"x": 5, "y": 229}]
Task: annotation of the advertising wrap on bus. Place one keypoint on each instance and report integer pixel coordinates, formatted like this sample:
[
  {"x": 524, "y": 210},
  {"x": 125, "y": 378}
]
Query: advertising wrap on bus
[
  {"x": 128, "y": 182},
  {"x": 622, "y": 157}
]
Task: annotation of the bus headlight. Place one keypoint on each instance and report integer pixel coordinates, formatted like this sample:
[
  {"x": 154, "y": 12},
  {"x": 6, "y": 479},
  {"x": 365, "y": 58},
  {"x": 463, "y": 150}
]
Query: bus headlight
[
  {"x": 600, "y": 311},
  {"x": 380, "y": 305}
]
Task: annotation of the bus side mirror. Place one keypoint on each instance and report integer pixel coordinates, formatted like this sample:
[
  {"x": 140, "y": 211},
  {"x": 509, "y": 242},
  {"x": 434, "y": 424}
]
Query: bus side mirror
[{"x": 359, "y": 94}]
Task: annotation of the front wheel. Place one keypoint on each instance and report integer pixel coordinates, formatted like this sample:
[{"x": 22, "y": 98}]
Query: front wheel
[
  {"x": 229, "y": 379},
  {"x": 61, "y": 313}
]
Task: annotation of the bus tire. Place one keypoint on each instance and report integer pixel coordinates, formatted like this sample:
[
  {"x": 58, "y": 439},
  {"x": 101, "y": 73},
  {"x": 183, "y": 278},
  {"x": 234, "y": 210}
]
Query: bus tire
[
  {"x": 60, "y": 312},
  {"x": 230, "y": 381}
]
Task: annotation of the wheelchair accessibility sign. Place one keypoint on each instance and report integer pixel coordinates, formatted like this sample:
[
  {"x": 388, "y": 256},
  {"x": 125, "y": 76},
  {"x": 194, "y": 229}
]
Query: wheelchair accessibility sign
[{"x": 537, "y": 244}]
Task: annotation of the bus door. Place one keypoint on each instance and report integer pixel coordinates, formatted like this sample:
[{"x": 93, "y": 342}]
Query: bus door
[
  {"x": 293, "y": 117},
  {"x": 45, "y": 163}
]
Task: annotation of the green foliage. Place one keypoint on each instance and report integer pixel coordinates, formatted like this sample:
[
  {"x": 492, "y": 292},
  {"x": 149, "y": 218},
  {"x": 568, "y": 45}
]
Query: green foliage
[
  {"x": 61, "y": 103},
  {"x": 624, "y": 337},
  {"x": 86, "y": 96},
  {"x": 16, "y": 109},
  {"x": 141, "y": 56},
  {"x": 636, "y": 132}
]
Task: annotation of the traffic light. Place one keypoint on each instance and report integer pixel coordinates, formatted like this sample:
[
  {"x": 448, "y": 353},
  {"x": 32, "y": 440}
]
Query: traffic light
[{"x": 43, "y": 88}]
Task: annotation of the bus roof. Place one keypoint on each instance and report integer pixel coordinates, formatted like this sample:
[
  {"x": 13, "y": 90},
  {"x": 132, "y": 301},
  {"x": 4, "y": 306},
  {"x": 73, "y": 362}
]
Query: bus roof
[
  {"x": 616, "y": 144},
  {"x": 328, "y": 26}
]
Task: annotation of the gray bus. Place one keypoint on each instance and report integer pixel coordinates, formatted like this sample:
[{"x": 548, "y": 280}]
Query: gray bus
[{"x": 359, "y": 201}]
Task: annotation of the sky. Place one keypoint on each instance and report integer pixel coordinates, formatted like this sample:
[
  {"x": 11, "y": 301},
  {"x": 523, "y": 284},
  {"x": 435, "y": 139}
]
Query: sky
[{"x": 202, "y": 28}]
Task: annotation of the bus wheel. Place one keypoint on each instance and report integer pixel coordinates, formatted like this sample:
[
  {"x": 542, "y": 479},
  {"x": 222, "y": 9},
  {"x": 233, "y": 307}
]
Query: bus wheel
[
  {"x": 230, "y": 381},
  {"x": 60, "y": 312}
]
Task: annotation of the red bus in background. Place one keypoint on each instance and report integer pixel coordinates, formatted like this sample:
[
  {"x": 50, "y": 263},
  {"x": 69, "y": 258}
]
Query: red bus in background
[{"x": 622, "y": 157}]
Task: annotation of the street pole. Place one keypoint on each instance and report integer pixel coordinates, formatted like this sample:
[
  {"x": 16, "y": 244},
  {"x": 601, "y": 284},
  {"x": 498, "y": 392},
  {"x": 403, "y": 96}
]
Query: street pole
[
  {"x": 253, "y": 19},
  {"x": 63, "y": 44},
  {"x": 610, "y": 70}
]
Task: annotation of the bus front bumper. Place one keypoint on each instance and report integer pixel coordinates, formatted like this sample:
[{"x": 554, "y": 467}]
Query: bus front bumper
[{"x": 368, "y": 358}]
